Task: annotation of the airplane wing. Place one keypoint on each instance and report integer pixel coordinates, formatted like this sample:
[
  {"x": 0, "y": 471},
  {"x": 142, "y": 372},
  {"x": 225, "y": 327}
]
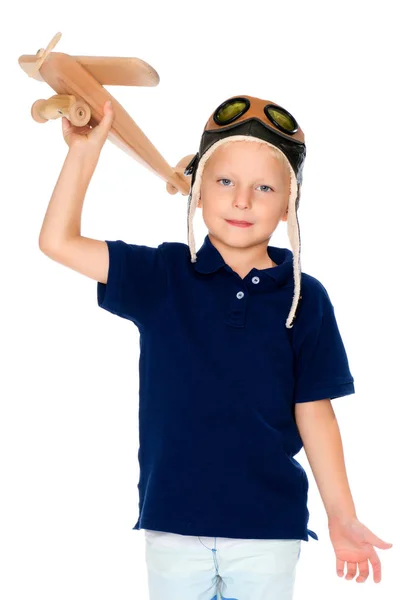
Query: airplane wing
[{"x": 114, "y": 70}]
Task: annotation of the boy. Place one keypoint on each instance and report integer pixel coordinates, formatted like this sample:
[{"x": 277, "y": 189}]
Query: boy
[{"x": 232, "y": 386}]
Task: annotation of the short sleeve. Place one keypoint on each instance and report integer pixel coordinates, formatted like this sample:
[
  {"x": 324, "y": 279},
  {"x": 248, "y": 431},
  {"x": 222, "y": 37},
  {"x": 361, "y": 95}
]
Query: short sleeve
[
  {"x": 321, "y": 363},
  {"x": 137, "y": 281}
]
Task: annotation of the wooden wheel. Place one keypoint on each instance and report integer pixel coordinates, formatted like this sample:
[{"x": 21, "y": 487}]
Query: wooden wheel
[
  {"x": 37, "y": 110},
  {"x": 61, "y": 105},
  {"x": 79, "y": 113}
]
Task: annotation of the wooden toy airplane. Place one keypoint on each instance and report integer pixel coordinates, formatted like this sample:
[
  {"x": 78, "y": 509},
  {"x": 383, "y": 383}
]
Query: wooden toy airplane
[{"x": 80, "y": 96}]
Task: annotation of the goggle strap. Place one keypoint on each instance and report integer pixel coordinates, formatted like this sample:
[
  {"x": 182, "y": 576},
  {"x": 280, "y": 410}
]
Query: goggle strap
[{"x": 190, "y": 168}]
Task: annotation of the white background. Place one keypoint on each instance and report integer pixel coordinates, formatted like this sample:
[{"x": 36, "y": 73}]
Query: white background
[{"x": 69, "y": 382}]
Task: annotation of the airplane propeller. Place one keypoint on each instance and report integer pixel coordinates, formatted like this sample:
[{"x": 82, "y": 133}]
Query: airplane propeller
[{"x": 42, "y": 54}]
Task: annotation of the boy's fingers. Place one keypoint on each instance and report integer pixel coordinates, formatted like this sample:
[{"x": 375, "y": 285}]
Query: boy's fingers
[{"x": 99, "y": 132}]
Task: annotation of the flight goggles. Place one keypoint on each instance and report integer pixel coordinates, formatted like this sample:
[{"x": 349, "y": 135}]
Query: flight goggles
[
  {"x": 247, "y": 115},
  {"x": 231, "y": 110}
]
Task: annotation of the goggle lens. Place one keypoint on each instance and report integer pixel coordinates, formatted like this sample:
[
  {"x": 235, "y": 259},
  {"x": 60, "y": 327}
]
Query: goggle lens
[
  {"x": 231, "y": 110},
  {"x": 281, "y": 118}
]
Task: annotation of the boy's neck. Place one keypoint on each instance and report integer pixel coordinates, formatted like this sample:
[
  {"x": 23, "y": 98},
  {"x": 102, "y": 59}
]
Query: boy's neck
[
  {"x": 243, "y": 271},
  {"x": 231, "y": 259}
]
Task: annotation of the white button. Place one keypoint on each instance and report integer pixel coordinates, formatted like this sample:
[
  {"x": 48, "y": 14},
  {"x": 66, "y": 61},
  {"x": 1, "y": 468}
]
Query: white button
[
  {"x": 239, "y": 295},
  {"x": 256, "y": 280}
]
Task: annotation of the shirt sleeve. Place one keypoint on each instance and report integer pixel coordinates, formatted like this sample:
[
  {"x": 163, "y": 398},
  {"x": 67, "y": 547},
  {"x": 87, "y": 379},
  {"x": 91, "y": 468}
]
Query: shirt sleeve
[
  {"x": 137, "y": 281},
  {"x": 321, "y": 363}
]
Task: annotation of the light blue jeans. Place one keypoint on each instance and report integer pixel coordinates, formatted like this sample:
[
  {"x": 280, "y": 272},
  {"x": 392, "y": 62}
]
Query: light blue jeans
[{"x": 187, "y": 567}]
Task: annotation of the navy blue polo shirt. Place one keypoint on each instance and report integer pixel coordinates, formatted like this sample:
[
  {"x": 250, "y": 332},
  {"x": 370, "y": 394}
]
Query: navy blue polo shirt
[{"x": 219, "y": 376}]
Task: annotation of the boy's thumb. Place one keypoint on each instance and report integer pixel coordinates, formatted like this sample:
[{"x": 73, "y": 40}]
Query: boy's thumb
[
  {"x": 104, "y": 125},
  {"x": 108, "y": 116}
]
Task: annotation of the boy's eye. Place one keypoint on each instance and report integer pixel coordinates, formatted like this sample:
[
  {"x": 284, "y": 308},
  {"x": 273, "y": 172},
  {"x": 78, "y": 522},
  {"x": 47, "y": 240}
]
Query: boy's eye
[{"x": 225, "y": 179}]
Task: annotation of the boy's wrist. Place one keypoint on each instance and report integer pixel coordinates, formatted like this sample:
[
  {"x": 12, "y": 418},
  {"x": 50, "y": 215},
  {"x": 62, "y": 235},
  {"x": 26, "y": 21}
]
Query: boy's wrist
[
  {"x": 90, "y": 155},
  {"x": 341, "y": 516}
]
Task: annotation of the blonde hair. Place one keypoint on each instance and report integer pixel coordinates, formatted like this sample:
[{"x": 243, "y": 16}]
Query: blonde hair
[
  {"x": 278, "y": 154},
  {"x": 274, "y": 151}
]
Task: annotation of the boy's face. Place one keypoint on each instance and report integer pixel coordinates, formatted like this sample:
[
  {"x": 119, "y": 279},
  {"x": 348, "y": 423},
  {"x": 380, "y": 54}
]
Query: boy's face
[{"x": 243, "y": 181}]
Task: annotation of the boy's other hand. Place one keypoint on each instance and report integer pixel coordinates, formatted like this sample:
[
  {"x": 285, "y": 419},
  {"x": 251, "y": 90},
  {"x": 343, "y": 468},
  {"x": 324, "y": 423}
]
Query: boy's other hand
[
  {"x": 354, "y": 543},
  {"x": 87, "y": 137}
]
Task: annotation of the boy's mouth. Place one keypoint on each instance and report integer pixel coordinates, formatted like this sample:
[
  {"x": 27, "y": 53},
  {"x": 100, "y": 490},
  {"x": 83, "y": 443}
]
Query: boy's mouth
[{"x": 239, "y": 223}]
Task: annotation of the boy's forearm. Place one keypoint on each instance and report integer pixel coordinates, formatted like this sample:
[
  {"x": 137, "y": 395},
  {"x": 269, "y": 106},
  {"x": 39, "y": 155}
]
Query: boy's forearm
[
  {"x": 63, "y": 216},
  {"x": 319, "y": 431}
]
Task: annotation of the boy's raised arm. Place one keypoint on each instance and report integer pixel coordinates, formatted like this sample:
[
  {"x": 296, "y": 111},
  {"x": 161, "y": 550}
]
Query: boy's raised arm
[{"x": 60, "y": 236}]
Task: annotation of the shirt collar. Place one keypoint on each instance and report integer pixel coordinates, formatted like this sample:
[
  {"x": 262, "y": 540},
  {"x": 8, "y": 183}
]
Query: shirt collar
[{"x": 210, "y": 260}]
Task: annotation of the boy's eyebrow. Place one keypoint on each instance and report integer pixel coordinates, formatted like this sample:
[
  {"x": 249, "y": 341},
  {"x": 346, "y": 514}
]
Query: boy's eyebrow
[{"x": 226, "y": 171}]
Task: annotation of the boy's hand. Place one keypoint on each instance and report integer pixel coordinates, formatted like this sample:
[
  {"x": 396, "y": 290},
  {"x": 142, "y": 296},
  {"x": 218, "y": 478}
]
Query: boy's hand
[
  {"x": 87, "y": 137},
  {"x": 354, "y": 543}
]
